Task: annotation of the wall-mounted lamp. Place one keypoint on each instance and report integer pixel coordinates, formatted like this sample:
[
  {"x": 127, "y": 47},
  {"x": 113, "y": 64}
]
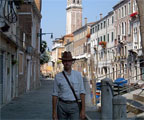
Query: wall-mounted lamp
[{"x": 40, "y": 35}]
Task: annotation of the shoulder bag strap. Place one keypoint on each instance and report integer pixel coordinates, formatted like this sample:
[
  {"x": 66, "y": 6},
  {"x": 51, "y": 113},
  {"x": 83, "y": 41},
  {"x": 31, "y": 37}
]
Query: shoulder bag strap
[{"x": 70, "y": 86}]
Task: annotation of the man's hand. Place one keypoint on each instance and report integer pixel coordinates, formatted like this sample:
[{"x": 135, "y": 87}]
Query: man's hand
[
  {"x": 54, "y": 104},
  {"x": 54, "y": 116},
  {"x": 82, "y": 114}
]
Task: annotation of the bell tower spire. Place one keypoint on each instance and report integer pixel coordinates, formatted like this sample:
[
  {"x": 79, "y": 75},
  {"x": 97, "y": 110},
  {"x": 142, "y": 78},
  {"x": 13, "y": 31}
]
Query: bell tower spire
[{"x": 73, "y": 15}]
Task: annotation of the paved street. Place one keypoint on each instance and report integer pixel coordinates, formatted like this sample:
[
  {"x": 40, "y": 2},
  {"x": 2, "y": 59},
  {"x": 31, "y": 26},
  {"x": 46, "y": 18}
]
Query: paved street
[{"x": 34, "y": 105}]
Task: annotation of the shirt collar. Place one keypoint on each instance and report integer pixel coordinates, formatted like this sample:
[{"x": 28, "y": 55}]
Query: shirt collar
[{"x": 68, "y": 73}]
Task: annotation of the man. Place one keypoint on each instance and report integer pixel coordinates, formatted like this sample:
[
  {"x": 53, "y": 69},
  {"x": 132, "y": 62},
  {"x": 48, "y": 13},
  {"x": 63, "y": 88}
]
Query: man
[{"x": 63, "y": 100}]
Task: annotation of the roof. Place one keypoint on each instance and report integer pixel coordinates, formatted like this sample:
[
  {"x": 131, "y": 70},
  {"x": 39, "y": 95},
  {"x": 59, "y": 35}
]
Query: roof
[
  {"x": 120, "y": 3},
  {"x": 69, "y": 35},
  {"x": 88, "y": 24},
  {"x": 109, "y": 13}
]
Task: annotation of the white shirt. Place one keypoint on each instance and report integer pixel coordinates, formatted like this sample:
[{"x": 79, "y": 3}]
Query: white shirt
[{"x": 63, "y": 90}]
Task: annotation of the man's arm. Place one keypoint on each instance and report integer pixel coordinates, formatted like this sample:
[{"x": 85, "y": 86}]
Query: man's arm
[
  {"x": 82, "y": 112},
  {"x": 54, "y": 105}
]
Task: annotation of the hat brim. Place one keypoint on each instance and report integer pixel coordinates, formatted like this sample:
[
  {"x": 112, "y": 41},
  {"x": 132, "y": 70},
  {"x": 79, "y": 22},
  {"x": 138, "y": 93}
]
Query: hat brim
[{"x": 67, "y": 59}]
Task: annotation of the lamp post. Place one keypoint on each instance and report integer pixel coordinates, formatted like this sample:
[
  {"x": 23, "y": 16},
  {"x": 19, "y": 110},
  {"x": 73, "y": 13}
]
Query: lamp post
[{"x": 40, "y": 35}]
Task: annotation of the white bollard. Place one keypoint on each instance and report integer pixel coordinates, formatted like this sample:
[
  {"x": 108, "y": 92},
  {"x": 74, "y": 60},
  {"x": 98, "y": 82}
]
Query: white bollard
[
  {"x": 119, "y": 108},
  {"x": 88, "y": 100},
  {"x": 106, "y": 100}
]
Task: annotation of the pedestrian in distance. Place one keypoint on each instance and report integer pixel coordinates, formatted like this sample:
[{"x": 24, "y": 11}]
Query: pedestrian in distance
[{"x": 68, "y": 98}]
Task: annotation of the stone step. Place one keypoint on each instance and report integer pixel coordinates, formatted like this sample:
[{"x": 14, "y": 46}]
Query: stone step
[
  {"x": 135, "y": 106},
  {"x": 139, "y": 97},
  {"x": 131, "y": 109}
]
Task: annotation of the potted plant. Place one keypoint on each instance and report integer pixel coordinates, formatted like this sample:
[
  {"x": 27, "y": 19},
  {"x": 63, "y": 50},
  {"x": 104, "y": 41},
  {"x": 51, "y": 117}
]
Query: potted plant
[
  {"x": 14, "y": 62},
  {"x": 134, "y": 14},
  {"x": 88, "y": 35},
  {"x": 59, "y": 61},
  {"x": 103, "y": 44}
]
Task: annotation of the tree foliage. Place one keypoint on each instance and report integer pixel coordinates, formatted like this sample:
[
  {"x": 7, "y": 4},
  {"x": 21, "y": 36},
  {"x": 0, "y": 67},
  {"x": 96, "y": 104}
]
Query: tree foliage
[
  {"x": 45, "y": 57},
  {"x": 43, "y": 47},
  {"x": 45, "y": 54}
]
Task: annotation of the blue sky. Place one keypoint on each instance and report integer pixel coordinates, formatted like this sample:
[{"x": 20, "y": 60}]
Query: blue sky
[{"x": 54, "y": 15}]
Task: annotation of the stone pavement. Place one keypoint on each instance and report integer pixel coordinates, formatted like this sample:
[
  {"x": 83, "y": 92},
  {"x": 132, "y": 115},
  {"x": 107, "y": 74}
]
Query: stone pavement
[
  {"x": 93, "y": 115},
  {"x": 34, "y": 105}
]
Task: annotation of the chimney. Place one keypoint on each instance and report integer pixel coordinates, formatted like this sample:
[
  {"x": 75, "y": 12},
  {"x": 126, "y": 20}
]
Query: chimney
[
  {"x": 101, "y": 16},
  {"x": 85, "y": 20}
]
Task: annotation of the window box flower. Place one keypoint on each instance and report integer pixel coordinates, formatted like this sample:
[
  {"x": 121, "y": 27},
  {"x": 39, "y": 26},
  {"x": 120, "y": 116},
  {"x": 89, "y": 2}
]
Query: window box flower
[
  {"x": 103, "y": 44},
  {"x": 134, "y": 14},
  {"x": 88, "y": 35},
  {"x": 59, "y": 62},
  {"x": 14, "y": 62}
]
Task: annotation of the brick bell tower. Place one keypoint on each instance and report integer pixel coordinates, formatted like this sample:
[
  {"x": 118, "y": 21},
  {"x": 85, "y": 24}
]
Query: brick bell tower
[{"x": 73, "y": 15}]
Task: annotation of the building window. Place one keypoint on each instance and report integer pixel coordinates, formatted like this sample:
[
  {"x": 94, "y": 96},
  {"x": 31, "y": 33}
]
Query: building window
[
  {"x": 122, "y": 28},
  {"x": 112, "y": 19},
  {"x": 101, "y": 25},
  {"x": 108, "y": 37},
  {"x": 108, "y": 22},
  {"x": 95, "y": 28},
  {"x": 104, "y": 38},
  {"x": 125, "y": 28},
  {"x": 101, "y": 38},
  {"x": 125, "y": 10},
  {"x": 104, "y": 24},
  {"x": 129, "y": 8},
  {"x": 122, "y": 12},
  {"x": 135, "y": 37},
  {"x": 91, "y": 31},
  {"x": 119, "y": 13},
  {"x": 134, "y": 6},
  {"x": 129, "y": 28},
  {"x": 98, "y": 26},
  {"x": 21, "y": 63},
  {"x": 112, "y": 36},
  {"x": 125, "y": 51},
  {"x": 78, "y": 2}
]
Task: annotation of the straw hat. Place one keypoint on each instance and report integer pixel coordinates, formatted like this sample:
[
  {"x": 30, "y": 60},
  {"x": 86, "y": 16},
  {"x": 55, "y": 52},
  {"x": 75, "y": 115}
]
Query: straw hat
[{"x": 67, "y": 56}]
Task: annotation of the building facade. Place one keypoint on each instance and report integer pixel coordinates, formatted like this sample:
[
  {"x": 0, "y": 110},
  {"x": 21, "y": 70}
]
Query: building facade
[
  {"x": 8, "y": 54},
  {"x": 80, "y": 48},
  {"x": 116, "y": 44},
  {"x": 19, "y": 48},
  {"x": 102, "y": 46},
  {"x": 127, "y": 41}
]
